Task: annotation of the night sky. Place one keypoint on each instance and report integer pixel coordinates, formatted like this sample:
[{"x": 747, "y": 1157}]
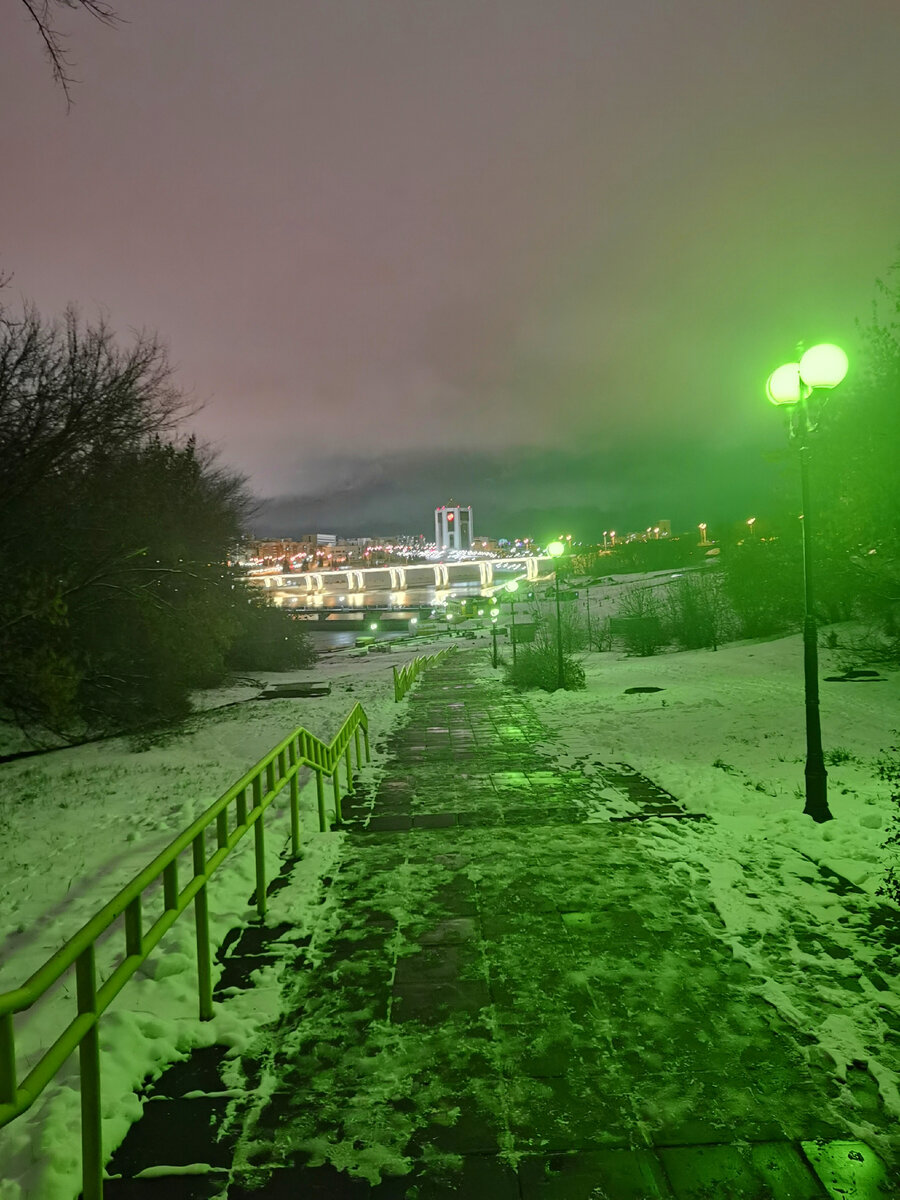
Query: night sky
[{"x": 535, "y": 256}]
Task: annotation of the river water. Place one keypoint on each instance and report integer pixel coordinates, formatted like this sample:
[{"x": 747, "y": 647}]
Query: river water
[{"x": 425, "y": 599}]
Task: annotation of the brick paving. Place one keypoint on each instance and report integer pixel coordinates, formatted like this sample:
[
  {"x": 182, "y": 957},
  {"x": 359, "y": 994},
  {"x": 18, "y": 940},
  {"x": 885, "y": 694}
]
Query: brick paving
[{"x": 513, "y": 1027}]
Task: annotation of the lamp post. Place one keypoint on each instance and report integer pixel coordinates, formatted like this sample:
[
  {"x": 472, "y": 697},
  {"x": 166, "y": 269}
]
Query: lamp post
[
  {"x": 821, "y": 367},
  {"x": 512, "y": 587},
  {"x": 751, "y": 521},
  {"x": 702, "y": 528},
  {"x": 495, "y": 612},
  {"x": 555, "y": 549}
]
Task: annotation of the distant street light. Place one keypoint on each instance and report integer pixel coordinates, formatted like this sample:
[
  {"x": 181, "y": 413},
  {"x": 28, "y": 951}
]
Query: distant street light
[
  {"x": 702, "y": 528},
  {"x": 751, "y": 521},
  {"x": 822, "y": 367},
  {"x": 494, "y": 641},
  {"x": 512, "y": 587},
  {"x": 555, "y": 549}
]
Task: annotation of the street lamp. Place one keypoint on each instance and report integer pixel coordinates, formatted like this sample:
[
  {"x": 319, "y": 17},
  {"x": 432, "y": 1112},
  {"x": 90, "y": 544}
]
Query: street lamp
[
  {"x": 821, "y": 367},
  {"x": 495, "y": 612},
  {"x": 751, "y": 521},
  {"x": 555, "y": 549},
  {"x": 702, "y": 528},
  {"x": 512, "y": 587}
]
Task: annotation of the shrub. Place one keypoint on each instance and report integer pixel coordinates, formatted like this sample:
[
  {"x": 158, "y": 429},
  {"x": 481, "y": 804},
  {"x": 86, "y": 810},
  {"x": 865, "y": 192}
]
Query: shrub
[
  {"x": 763, "y": 584},
  {"x": 269, "y": 640},
  {"x": 537, "y": 662},
  {"x": 537, "y": 666},
  {"x": 696, "y": 611},
  {"x": 889, "y": 770},
  {"x": 640, "y": 621}
]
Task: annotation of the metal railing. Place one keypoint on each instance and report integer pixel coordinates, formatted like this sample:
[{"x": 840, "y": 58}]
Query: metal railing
[
  {"x": 406, "y": 676},
  {"x": 279, "y": 768}
]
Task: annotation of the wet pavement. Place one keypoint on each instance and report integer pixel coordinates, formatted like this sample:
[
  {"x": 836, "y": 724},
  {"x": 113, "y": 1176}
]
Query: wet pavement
[{"x": 501, "y": 1000}]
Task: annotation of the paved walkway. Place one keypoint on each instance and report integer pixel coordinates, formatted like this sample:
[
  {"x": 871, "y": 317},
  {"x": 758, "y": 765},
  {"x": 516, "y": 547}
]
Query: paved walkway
[{"x": 502, "y": 992}]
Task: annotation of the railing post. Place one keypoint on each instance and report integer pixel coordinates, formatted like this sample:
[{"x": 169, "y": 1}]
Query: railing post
[
  {"x": 336, "y": 786},
  {"x": 349, "y": 769},
  {"x": 170, "y": 884},
  {"x": 356, "y": 744},
  {"x": 241, "y": 802},
  {"x": 89, "y": 1064},
  {"x": 295, "y": 802},
  {"x": 134, "y": 937},
  {"x": 201, "y": 923},
  {"x": 320, "y": 796},
  {"x": 366, "y": 740},
  {"x": 7, "y": 1059},
  {"x": 222, "y": 828},
  {"x": 260, "y": 846}
]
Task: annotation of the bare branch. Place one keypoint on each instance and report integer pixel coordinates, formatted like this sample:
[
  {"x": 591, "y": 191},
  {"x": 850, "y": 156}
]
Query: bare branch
[{"x": 41, "y": 14}]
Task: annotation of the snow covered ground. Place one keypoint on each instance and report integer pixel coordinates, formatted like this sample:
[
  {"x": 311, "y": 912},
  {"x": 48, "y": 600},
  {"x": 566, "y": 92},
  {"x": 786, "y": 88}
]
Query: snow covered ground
[{"x": 725, "y": 735}]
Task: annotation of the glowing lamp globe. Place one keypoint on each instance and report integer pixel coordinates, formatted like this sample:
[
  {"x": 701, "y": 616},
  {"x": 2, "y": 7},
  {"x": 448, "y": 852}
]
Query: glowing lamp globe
[
  {"x": 823, "y": 366},
  {"x": 513, "y": 585},
  {"x": 495, "y": 612},
  {"x": 555, "y": 549},
  {"x": 783, "y": 386}
]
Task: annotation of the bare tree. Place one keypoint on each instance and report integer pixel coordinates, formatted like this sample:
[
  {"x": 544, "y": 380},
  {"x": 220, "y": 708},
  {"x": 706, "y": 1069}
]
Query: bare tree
[
  {"x": 68, "y": 392},
  {"x": 42, "y": 13}
]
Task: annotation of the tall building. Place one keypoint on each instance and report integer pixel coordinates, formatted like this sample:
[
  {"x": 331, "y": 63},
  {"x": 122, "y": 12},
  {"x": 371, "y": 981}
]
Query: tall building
[{"x": 453, "y": 527}]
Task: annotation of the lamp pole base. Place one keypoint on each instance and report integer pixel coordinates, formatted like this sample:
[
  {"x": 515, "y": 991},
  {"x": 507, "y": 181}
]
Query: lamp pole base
[{"x": 817, "y": 795}]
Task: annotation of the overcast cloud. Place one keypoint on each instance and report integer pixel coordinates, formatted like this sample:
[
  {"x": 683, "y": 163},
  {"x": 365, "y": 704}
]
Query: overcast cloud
[{"x": 405, "y": 251}]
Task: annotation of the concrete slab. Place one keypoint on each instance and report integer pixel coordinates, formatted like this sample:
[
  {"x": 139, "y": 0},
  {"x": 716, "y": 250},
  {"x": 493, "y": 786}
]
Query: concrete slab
[
  {"x": 594, "y": 1175},
  {"x": 850, "y": 1170}
]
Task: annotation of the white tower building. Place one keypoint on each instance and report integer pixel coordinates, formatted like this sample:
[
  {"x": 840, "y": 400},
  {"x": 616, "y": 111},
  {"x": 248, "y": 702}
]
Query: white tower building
[{"x": 454, "y": 528}]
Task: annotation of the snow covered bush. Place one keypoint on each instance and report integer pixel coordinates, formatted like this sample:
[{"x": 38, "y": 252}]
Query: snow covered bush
[{"x": 889, "y": 770}]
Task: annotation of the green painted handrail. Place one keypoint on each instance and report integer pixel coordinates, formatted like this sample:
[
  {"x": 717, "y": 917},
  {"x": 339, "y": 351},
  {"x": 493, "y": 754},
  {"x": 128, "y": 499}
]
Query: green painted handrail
[
  {"x": 406, "y": 676},
  {"x": 265, "y": 780}
]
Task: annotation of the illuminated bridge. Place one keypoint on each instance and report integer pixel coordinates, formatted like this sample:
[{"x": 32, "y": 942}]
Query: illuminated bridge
[{"x": 399, "y": 578}]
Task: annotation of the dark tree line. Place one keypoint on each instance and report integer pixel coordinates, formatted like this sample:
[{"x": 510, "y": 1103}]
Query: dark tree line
[
  {"x": 117, "y": 596},
  {"x": 856, "y": 510}
]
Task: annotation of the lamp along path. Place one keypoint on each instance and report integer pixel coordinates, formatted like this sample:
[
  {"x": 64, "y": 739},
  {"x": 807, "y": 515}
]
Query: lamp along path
[{"x": 505, "y": 995}]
